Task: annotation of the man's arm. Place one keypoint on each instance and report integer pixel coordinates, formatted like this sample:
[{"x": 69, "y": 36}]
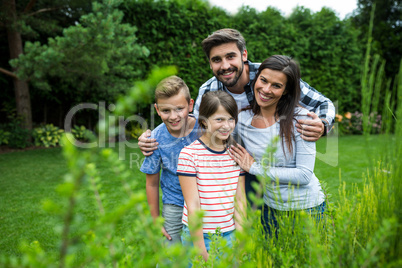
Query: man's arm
[
  {"x": 322, "y": 112},
  {"x": 152, "y": 189},
  {"x": 147, "y": 145},
  {"x": 312, "y": 129}
]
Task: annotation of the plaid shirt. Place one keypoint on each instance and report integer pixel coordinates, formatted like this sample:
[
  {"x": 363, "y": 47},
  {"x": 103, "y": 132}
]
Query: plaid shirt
[{"x": 310, "y": 98}]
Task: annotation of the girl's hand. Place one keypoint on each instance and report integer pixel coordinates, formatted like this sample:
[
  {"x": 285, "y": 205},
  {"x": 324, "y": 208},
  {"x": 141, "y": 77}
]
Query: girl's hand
[
  {"x": 205, "y": 255},
  {"x": 241, "y": 156}
]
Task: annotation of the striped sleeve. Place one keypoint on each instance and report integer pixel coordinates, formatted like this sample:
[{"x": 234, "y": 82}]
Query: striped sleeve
[{"x": 186, "y": 164}]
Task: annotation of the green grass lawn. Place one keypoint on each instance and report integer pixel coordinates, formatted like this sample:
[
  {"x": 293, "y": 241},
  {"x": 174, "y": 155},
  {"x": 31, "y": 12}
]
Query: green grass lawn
[
  {"x": 30, "y": 177},
  {"x": 27, "y": 178},
  {"x": 347, "y": 159}
]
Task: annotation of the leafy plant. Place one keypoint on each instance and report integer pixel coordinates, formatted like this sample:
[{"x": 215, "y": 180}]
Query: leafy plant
[
  {"x": 4, "y": 137},
  {"x": 47, "y": 135},
  {"x": 19, "y": 136},
  {"x": 81, "y": 133},
  {"x": 95, "y": 57},
  {"x": 14, "y": 134},
  {"x": 134, "y": 131},
  {"x": 352, "y": 123}
]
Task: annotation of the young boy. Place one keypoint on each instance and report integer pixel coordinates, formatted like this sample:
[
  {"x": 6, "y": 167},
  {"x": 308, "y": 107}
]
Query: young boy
[{"x": 173, "y": 104}]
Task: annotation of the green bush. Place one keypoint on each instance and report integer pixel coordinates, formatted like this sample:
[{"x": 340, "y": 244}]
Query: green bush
[
  {"x": 19, "y": 137},
  {"x": 81, "y": 133},
  {"x": 352, "y": 123},
  {"x": 15, "y": 135},
  {"x": 4, "y": 137},
  {"x": 47, "y": 135},
  {"x": 134, "y": 131},
  {"x": 173, "y": 31}
]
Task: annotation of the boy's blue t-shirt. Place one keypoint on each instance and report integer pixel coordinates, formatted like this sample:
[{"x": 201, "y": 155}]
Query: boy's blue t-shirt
[{"x": 167, "y": 157}]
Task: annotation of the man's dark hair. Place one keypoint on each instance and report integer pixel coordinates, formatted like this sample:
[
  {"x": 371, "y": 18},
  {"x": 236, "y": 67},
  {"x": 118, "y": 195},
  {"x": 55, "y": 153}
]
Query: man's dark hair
[{"x": 223, "y": 36}]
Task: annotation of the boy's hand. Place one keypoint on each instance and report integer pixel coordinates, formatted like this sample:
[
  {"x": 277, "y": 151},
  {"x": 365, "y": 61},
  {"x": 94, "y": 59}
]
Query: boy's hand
[
  {"x": 166, "y": 234},
  {"x": 311, "y": 130},
  {"x": 147, "y": 146}
]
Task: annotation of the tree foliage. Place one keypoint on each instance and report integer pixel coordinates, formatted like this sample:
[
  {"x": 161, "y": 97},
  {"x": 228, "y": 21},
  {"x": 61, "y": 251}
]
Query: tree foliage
[
  {"x": 39, "y": 19},
  {"x": 387, "y": 30},
  {"x": 173, "y": 31},
  {"x": 30, "y": 20},
  {"x": 96, "y": 57}
]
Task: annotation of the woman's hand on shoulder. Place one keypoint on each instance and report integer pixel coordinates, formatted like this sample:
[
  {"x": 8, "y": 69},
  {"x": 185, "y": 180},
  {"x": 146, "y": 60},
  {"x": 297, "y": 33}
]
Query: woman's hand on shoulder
[{"x": 241, "y": 156}]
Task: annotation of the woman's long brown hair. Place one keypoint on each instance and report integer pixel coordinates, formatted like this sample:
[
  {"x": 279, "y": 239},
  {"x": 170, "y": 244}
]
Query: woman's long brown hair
[{"x": 285, "y": 110}]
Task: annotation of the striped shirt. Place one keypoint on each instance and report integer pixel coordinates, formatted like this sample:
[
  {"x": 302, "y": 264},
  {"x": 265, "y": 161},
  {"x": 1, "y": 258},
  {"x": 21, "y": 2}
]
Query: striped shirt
[{"x": 217, "y": 176}]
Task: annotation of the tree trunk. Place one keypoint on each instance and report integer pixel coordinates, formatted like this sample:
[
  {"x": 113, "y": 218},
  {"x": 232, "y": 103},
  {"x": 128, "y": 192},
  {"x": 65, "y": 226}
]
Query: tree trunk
[{"x": 21, "y": 88}]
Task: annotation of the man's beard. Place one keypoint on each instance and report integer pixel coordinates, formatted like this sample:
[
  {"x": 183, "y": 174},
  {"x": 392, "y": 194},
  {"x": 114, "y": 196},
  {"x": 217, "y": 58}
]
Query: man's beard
[{"x": 231, "y": 83}]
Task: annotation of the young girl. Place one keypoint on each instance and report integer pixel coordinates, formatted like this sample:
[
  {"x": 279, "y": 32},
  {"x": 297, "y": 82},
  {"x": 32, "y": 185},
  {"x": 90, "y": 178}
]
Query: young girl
[{"x": 210, "y": 179}]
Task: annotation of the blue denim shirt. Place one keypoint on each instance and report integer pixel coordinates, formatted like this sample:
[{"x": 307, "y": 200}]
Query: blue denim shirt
[{"x": 166, "y": 158}]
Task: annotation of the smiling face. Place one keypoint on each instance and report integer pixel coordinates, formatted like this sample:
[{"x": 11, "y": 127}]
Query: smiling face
[
  {"x": 219, "y": 126},
  {"x": 227, "y": 63},
  {"x": 174, "y": 113},
  {"x": 269, "y": 88}
]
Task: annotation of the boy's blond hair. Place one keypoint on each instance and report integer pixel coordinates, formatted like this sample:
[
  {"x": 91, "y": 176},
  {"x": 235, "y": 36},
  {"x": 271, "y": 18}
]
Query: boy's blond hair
[{"x": 171, "y": 86}]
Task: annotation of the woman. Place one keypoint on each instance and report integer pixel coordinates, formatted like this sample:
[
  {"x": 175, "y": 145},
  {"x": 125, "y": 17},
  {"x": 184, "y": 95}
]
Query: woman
[{"x": 290, "y": 169}]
